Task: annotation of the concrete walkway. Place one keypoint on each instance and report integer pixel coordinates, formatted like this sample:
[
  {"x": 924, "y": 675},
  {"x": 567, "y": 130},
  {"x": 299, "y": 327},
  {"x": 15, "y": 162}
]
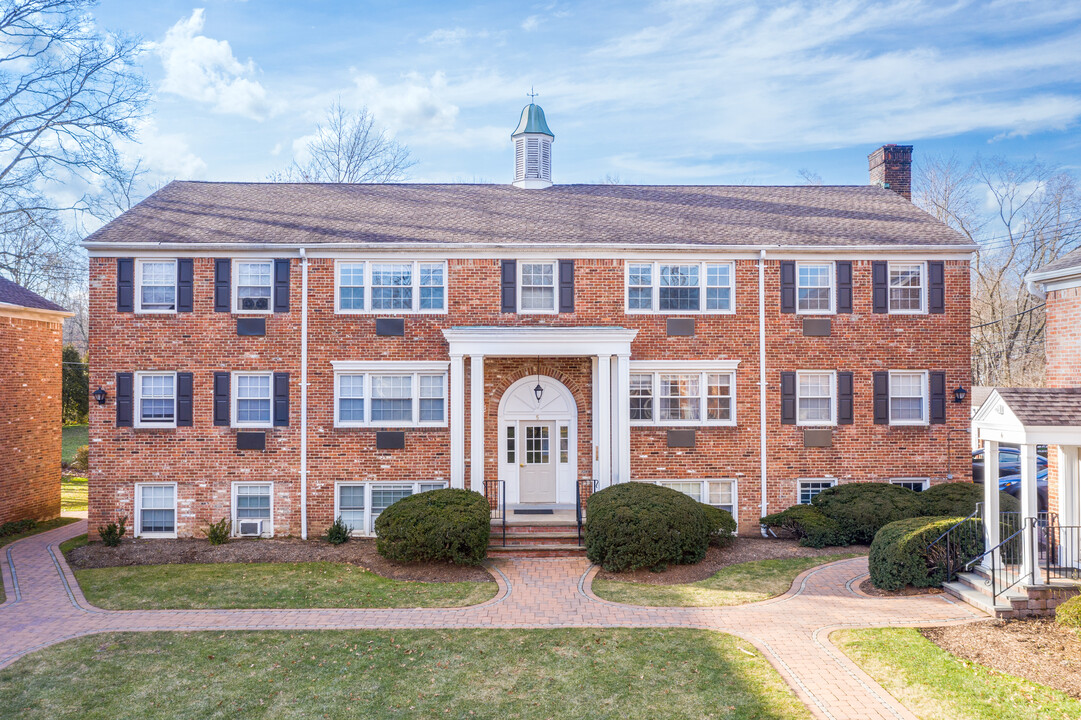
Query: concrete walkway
[{"x": 45, "y": 606}]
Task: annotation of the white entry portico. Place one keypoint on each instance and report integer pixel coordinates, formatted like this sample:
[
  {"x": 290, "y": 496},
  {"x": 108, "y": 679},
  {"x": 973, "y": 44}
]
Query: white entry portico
[{"x": 610, "y": 351}]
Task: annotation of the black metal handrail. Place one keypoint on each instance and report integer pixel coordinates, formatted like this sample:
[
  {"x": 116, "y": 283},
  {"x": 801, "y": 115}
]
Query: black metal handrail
[
  {"x": 1002, "y": 569},
  {"x": 966, "y": 533},
  {"x": 1060, "y": 551},
  {"x": 495, "y": 493},
  {"x": 584, "y": 489}
]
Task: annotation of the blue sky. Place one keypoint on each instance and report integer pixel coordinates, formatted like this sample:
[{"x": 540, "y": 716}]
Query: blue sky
[{"x": 650, "y": 92}]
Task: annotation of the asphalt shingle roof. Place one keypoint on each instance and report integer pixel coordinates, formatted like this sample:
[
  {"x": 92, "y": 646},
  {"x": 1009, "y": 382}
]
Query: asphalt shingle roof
[
  {"x": 1069, "y": 260},
  {"x": 1044, "y": 406},
  {"x": 208, "y": 212},
  {"x": 12, "y": 294}
]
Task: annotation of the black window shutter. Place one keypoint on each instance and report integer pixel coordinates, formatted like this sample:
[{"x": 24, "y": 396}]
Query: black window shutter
[
  {"x": 880, "y": 284},
  {"x": 936, "y": 287},
  {"x": 125, "y": 285},
  {"x": 882, "y": 398},
  {"x": 281, "y": 285},
  {"x": 566, "y": 286},
  {"x": 508, "y": 285},
  {"x": 281, "y": 399},
  {"x": 183, "y": 399},
  {"x": 844, "y": 287},
  {"x": 125, "y": 400},
  {"x": 844, "y": 398},
  {"x": 938, "y": 397},
  {"x": 788, "y": 287},
  {"x": 221, "y": 398},
  {"x": 223, "y": 285},
  {"x": 185, "y": 278},
  {"x": 788, "y": 398}
]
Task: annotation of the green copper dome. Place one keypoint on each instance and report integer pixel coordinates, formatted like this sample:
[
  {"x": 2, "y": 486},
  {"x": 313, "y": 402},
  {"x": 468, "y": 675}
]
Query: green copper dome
[{"x": 532, "y": 122}]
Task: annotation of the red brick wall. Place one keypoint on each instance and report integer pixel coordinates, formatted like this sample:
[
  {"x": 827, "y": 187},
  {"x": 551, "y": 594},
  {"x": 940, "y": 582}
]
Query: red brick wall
[
  {"x": 205, "y": 458},
  {"x": 30, "y": 418},
  {"x": 1062, "y": 350}
]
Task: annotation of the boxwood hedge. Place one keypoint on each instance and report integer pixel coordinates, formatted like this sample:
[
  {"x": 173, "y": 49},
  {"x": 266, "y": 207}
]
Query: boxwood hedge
[
  {"x": 861, "y": 509},
  {"x": 959, "y": 499},
  {"x": 722, "y": 526},
  {"x": 450, "y": 525},
  {"x": 808, "y": 524},
  {"x": 900, "y": 555}
]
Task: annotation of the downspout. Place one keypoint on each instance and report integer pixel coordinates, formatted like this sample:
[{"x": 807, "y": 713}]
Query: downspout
[
  {"x": 762, "y": 381},
  {"x": 304, "y": 395},
  {"x": 1036, "y": 289}
]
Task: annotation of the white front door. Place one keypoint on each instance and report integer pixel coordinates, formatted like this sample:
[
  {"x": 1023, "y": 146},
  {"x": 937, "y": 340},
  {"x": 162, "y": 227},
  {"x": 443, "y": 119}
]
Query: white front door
[{"x": 537, "y": 464}]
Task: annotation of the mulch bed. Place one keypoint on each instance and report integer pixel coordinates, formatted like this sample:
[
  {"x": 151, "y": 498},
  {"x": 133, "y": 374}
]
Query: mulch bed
[
  {"x": 1037, "y": 650},
  {"x": 360, "y": 552},
  {"x": 868, "y": 587},
  {"x": 744, "y": 549}
]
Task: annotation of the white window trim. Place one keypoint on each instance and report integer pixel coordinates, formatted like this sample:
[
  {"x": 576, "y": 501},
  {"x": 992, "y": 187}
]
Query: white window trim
[
  {"x": 236, "y": 284},
  {"x": 236, "y": 521},
  {"x": 656, "y": 368},
  {"x": 139, "y": 286},
  {"x": 139, "y": 510},
  {"x": 234, "y": 391},
  {"x": 704, "y": 492},
  {"x": 800, "y": 482},
  {"x": 655, "y": 287},
  {"x": 833, "y": 399},
  {"x": 413, "y": 369},
  {"x": 137, "y": 411},
  {"x": 368, "y": 310},
  {"x": 832, "y": 286},
  {"x": 367, "y": 485},
  {"x": 519, "y": 266},
  {"x": 923, "y": 288},
  {"x": 926, "y": 482},
  {"x": 926, "y": 399}
]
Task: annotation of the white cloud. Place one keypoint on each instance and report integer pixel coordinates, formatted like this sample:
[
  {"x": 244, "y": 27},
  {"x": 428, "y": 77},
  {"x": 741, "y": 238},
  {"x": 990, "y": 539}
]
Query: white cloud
[
  {"x": 453, "y": 36},
  {"x": 166, "y": 155},
  {"x": 203, "y": 69},
  {"x": 415, "y": 103},
  {"x": 531, "y": 23}
]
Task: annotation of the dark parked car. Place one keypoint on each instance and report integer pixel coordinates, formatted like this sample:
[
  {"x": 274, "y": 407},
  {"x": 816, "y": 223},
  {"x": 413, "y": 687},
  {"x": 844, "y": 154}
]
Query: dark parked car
[
  {"x": 1009, "y": 462},
  {"x": 1012, "y": 484}
]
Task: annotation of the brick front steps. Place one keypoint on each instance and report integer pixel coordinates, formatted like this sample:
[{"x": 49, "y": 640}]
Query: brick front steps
[
  {"x": 1020, "y": 601},
  {"x": 538, "y": 539}
]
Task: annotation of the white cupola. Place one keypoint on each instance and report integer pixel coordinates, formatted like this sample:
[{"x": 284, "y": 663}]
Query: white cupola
[{"x": 532, "y": 149}]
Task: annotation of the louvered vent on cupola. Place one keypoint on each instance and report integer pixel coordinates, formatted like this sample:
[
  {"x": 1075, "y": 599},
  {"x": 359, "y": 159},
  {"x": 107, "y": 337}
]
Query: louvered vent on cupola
[{"x": 532, "y": 149}]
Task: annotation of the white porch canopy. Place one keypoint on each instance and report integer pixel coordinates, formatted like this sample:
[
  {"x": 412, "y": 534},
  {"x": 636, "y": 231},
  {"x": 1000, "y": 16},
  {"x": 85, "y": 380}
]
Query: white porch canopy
[
  {"x": 1028, "y": 417},
  {"x": 610, "y": 350}
]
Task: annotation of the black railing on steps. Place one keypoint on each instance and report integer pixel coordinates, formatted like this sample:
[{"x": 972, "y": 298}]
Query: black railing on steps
[
  {"x": 955, "y": 548},
  {"x": 1004, "y": 559},
  {"x": 585, "y": 488},
  {"x": 495, "y": 491},
  {"x": 1059, "y": 546}
]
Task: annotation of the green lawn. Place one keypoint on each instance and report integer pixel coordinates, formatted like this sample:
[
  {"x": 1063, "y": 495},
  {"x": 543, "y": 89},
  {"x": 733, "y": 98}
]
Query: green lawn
[
  {"x": 73, "y": 495},
  {"x": 75, "y": 436},
  {"x": 41, "y": 527},
  {"x": 733, "y": 585},
  {"x": 935, "y": 685},
  {"x": 527, "y": 674},
  {"x": 267, "y": 585}
]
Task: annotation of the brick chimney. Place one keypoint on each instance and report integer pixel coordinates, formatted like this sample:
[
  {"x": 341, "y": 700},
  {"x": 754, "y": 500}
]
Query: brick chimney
[{"x": 891, "y": 168}]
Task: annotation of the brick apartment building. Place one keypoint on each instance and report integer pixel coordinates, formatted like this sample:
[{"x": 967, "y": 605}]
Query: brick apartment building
[
  {"x": 31, "y": 338},
  {"x": 285, "y": 354}
]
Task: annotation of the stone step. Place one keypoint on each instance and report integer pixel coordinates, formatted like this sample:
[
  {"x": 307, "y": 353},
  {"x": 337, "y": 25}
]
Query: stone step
[
  {"x": 535, "y": 551},
  {"x": 536, "y": 528},
  {"x": 535, "y": 539},
  {"x": 969, "y": 595}
]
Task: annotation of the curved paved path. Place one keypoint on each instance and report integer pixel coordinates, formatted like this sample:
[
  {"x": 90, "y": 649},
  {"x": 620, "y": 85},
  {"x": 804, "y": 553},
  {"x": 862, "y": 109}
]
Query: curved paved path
[{"x": 45, "y": 606}]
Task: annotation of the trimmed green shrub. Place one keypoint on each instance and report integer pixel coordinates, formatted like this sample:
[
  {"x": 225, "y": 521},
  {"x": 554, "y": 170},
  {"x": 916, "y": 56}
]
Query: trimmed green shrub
[
  {"x": 1069, "y": 613},
  {"x": 14, "y": 527},
  {"x": 808, "y": 524},
  {"x": 722, "y": 526},
  {"x": 338, "y": 532},
  {"x": 82, "y": 458},
  {"x": 635, "y": 525},
  {"x": 111, "y": 533},
  {"x": 451, "y": 525},
  {"x": 900, "y": 555},
  {"x": 958, "y": 499},
  {"x": 218, "y": 533},
  {"x": 861, "y": 509}
]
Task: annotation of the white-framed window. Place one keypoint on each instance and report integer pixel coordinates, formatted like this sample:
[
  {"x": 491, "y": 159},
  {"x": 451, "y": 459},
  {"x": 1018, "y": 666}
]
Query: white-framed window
[
  {"x": 564, "y": 444},
  {"x": 809, "y": 488},
  {"x": 155, "y": 286},
  {"x": 719, "y": 493},
  {"x": 155, "y": 510},
  {"x": 908, "y": 287},
  {"x": 537, "y": 286},
  {"x": 673, "y": 394},
  {"x": 680, "y": 287},
  {"x": 912, "y": 483},
  {"x": 816, "y": 393},
  {"x": 155, "y": 400},
  {"x": 252, "y": 399},
  {"x": 815, "y": 288},
  {"x": 254, "y": 501},
  {"x": 358, "y": 504},
  {"x": 390, "y": 394},
  {"x": 253, "y": 286},
  {"x": 390, "y": 287},
  {"x": 908, "y": 397}
]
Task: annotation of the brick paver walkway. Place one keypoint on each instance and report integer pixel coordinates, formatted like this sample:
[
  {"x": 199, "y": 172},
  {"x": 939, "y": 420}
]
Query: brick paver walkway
[{"x": 45, "y": 606}]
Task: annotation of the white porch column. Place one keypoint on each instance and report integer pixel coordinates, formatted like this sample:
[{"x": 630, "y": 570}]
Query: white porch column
[
  {"x": 457, "y": 422},
  {"x": 476, "y": 423},
  {"x": 1068, "y": 505},
  {"x": 991, "y": 509},
  {"x": 1030, "y": 562},
  {"x": 595, "y": 453},
  {"x": 603, "y": 418},
  {"x": 622, "y": 418}
]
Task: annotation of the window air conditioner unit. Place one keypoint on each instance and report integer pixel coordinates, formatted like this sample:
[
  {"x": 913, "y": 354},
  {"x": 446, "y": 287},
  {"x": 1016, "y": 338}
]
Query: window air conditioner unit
[
  {"x": 251, "y": 528},
  {"x": 254, "y": 304}
]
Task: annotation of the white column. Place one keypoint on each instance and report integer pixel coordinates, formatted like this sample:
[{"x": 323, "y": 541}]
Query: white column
[
  {"x": 457, "y": 421},
  {"x": 991, "y": 509},
  {"x": 476, "y": 423},
  {"x": 603, "y": 418},
  {"x": 1068, "y": 505},
  {"x": 622, "y": 418},
  {"x": 594, "y": 414},
  {"x": 1030, "y": 563}
]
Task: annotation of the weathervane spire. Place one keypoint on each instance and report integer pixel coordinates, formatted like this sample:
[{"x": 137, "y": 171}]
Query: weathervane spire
[{"x": 532, "y": 94}]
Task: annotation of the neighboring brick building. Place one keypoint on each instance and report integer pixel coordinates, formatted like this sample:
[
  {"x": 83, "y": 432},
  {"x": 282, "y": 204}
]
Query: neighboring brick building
[
  {"x": 290, "y": 353},
  {"x": 31, "y": 335}
]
